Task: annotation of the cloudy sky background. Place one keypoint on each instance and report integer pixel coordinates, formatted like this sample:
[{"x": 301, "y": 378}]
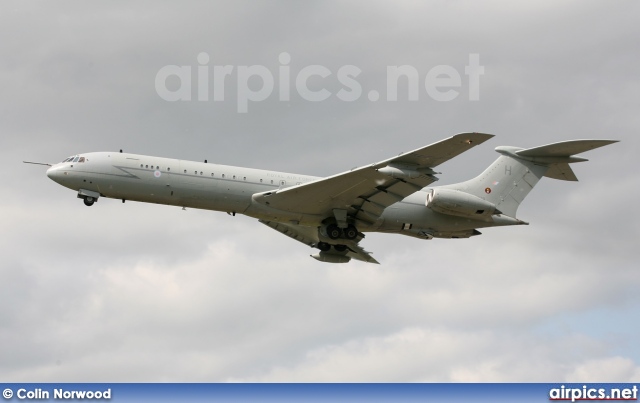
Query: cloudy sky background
[{"x": 139, "y": 292}]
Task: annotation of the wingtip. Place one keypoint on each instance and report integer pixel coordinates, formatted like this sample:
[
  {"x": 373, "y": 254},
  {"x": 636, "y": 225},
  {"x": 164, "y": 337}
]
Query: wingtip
[
  {"x": 371, "y": 259},
  {"x": 474, "y": 137}
]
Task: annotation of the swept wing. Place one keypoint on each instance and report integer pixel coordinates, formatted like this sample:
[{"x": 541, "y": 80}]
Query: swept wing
[{"x": 366, "y": 191}]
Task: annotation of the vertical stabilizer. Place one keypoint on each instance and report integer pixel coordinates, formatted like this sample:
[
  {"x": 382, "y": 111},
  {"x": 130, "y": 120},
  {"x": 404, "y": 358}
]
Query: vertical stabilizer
[{"x": 507, "y": 181}]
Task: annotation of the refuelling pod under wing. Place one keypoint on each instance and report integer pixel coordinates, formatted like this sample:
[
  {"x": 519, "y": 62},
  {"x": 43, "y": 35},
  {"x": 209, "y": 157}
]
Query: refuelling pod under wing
[
  {"x": 407, "y": 171},
  {"x": 331, "y": 258},
  {"x": 458, "y": 203}
]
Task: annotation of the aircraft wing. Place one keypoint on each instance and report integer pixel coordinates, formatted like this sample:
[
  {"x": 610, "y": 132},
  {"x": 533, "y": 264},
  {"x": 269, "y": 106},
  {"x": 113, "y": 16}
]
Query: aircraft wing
[
  {"x": 366, "y": 191},
  {"x": 309, "y": 237}
]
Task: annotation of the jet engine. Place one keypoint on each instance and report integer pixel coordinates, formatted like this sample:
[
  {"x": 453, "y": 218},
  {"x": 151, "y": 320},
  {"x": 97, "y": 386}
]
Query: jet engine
[{"x": 457, "y": 203}]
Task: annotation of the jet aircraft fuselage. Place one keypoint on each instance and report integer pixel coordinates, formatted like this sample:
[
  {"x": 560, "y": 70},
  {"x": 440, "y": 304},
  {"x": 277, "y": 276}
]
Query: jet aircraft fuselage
[{"x": 225, "y": 188}]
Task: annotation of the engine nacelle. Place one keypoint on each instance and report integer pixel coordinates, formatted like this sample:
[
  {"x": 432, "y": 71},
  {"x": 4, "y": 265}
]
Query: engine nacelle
[{"x": 454, "y": 202}]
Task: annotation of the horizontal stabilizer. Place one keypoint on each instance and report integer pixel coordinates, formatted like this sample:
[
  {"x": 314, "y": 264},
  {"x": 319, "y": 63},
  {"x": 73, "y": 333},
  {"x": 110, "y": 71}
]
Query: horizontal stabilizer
[
  {"x": 564, "y": 148},
  {"x": 558, "y": 156},
  {"x": 562, "y": 172}
]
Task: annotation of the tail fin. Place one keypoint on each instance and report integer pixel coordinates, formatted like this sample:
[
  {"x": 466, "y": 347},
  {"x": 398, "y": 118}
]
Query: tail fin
[{"x": 511, "y": 177}]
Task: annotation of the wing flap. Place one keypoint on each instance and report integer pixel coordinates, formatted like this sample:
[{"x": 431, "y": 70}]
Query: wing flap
[
  {"x": 404, "y": 189},
  {"x": 384, "y": 198},
  {"x": 371, "y": 207}
]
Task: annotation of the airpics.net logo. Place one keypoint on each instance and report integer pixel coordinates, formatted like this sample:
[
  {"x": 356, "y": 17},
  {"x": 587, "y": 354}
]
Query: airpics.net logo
[
  {"x": 441, "y": 83},
  {"x": 590, "y": 393}
]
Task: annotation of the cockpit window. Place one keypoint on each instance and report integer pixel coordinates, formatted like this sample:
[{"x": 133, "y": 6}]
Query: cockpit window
[
  {"x": 81, "y": 159},
  {"x": 75, "y": 159}
]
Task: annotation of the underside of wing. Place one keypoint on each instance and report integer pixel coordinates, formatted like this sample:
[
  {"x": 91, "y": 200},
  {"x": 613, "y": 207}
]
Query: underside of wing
[
  {"x": 363, "y": 193},
  {"x": 309, "y": 237}
]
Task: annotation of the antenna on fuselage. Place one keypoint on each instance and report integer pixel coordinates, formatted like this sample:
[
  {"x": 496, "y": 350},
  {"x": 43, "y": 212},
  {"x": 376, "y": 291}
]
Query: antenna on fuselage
[
  {"x": 121, "y": 151},
  {"x": 205, "y": 161}
]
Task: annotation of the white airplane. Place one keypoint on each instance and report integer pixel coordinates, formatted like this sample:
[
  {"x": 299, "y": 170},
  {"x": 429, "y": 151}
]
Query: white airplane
[{"x": 332, "y": 214}]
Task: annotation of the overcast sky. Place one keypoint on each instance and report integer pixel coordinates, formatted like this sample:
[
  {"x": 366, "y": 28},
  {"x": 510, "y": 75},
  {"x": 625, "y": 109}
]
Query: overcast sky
[{"x": 140, "y": 292}]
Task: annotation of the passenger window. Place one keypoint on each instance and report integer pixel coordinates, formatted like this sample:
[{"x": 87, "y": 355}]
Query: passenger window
[
  {"x": 200, "y": 172},
  {"x": 223, "y": 175},
  {"x": 185, "y": 171},
  {"x": 212, "y": 174},
  {"x": 244, "y": 179},
  {"x": 168, "y": 169},
  {"x": 157, "y": 167},
  {"x": 195, "y": 172},
  {"x": 234, "y": 176},
  {"x": 260, "y": 180},
  {"x": 147, "y": 166}
]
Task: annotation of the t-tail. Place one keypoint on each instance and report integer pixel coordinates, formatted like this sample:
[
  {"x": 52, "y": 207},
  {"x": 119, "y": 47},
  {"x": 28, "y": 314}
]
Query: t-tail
[{"x": 506, "y": 182}]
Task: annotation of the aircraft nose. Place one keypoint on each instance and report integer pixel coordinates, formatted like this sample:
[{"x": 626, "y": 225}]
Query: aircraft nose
[{"x": 54, "y": 174}]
